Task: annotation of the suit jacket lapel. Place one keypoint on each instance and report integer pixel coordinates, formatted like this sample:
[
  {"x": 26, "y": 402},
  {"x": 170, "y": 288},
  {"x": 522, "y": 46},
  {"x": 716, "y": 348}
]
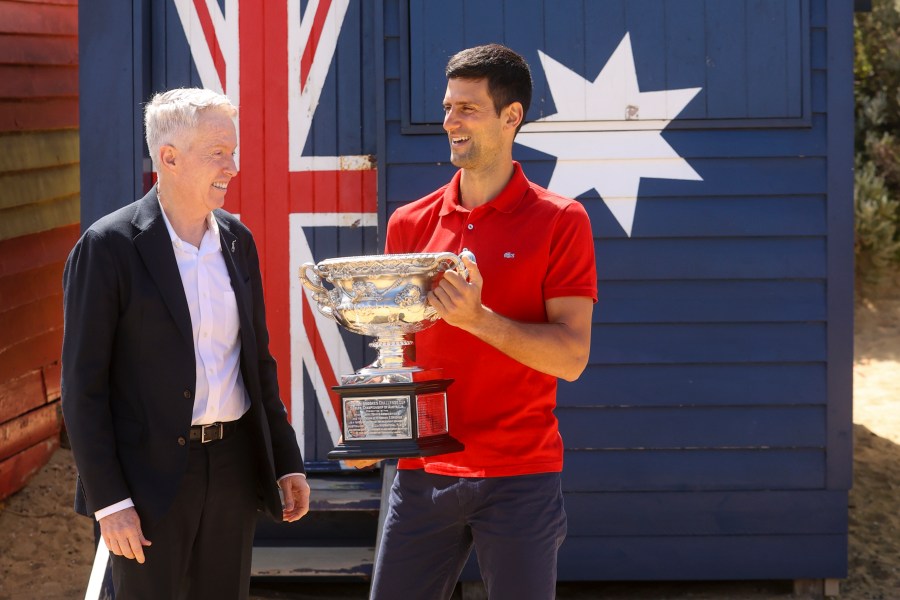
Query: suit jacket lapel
[
  {"x": 155, "y": 247},
  {"x": 239, "y": 277}
]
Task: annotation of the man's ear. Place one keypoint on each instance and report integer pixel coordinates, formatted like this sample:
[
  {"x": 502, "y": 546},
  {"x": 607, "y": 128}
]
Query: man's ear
[
  {"x": 514, "y": 115},
  {"x": 168, "y": 156}
]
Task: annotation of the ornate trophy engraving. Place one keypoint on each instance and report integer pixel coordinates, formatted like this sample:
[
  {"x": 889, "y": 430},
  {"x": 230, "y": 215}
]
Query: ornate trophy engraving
[{"x": 393, "y": 407}]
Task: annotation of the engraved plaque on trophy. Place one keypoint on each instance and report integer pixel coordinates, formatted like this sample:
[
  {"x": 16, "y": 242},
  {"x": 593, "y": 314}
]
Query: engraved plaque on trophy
[{"x": 392, "y": 408}]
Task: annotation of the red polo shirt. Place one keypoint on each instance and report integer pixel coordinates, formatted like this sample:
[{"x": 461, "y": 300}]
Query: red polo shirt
[{"x": 531, "y": 245}]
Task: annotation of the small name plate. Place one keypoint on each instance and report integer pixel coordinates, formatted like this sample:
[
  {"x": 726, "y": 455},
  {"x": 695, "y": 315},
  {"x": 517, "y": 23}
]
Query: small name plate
[{"x": 377, "y": 418}]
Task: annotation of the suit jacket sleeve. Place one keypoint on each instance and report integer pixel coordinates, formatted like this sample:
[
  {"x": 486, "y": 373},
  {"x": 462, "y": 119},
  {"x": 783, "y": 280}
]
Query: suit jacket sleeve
[{"x": 91, "y": 307}]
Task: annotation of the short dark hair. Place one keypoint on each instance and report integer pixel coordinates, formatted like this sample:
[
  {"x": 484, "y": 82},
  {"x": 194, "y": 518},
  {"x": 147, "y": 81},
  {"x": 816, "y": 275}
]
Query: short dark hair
[{"x": 507, "y": 74}]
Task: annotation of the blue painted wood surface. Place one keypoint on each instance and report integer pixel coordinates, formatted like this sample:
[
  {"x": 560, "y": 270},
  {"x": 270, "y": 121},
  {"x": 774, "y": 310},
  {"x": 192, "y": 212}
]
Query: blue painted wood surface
[
  {"x": 840, "y": 248},
  {"x": 678, "y": 558},
  {"x": 747, "y": 55},
  {"x": 109, "y": 179},
  {"x": 697, "y": 384},
  {"x": 715, "y": 513},
  {"x": 694, "y": 470},
  {"x": 685, "y": 301},
  {"x": 690, "y": 427}
]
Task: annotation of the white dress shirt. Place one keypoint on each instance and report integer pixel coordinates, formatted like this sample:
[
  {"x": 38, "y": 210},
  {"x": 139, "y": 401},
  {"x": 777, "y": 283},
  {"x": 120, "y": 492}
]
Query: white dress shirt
[{"x": 220, "y": 394}]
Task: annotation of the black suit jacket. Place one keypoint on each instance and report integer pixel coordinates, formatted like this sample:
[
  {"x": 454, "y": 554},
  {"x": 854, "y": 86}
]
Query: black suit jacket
[{"x": 128, "y": 372}]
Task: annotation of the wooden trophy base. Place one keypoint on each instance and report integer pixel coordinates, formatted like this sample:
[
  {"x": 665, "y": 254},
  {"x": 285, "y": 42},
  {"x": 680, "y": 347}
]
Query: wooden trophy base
[{"x": 394, "y": 420}]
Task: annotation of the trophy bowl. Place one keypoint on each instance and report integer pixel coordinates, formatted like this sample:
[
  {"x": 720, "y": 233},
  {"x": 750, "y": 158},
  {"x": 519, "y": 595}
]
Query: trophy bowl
[
  {"x": 383, "y": 296},
  {"x": 393, "y": 407}
]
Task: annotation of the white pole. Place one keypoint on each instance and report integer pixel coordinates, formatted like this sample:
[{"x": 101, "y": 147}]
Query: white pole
[{"x": 95, "y": 583}]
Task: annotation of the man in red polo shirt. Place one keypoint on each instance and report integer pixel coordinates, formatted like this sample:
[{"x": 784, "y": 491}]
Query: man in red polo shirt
[{"x": 520, "y": 321}]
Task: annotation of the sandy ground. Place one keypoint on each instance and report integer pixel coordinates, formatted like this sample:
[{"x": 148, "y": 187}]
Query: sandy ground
[{"x": 46, "y": 551}]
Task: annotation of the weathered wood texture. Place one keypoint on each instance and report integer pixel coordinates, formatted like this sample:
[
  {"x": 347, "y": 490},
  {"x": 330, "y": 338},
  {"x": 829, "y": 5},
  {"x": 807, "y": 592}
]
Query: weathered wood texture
[
  {"x": 39, "y": 180},
  {"x": 16, "y": 470},
  {"x": 30, "y": 343},
  {"x": 39, "y": 214},
  {"x": 38, "y": 66}
]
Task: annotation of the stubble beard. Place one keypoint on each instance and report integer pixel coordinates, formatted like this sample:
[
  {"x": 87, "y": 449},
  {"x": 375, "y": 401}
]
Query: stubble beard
[{"x": 465, "y": 160}]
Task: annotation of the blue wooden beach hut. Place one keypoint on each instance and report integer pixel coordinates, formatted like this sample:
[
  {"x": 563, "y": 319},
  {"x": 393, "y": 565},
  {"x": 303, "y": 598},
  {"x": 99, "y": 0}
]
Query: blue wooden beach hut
[{"x": 711, "y": 144}]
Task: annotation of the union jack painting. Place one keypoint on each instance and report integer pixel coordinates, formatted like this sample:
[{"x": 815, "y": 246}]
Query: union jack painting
[{"x": 327, "y": 182}]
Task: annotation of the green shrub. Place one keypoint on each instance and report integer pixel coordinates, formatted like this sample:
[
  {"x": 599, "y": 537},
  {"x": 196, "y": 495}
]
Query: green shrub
[
  {"x": 876, "y": 246},
  {"x": 877, "y": 148}
]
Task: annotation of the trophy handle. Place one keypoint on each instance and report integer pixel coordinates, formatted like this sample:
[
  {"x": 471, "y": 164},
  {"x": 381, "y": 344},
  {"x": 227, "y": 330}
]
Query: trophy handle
[
  {"x": 449, "y": 260},
  {"x": 320, "y": 294}
]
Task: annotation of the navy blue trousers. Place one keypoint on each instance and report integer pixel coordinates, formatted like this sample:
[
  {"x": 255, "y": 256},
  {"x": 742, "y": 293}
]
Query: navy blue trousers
[{"x": 516, "y": 525}]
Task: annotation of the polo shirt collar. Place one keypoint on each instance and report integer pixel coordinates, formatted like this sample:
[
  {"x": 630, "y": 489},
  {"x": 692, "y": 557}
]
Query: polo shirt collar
[{"x": 506, "y": 201}]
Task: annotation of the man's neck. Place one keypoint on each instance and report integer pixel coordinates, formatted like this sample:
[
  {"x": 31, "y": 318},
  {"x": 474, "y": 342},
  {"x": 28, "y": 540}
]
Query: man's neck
[
  {"x": 478, "y": 187},
  {"x": 189, "y": 227}
]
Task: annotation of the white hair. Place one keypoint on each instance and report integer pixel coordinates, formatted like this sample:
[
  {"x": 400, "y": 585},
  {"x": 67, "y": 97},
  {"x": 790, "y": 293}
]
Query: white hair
[{"x": 170, "y": 114}]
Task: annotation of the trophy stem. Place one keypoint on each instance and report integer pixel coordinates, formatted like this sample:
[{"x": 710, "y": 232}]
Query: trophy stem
[{"x": 391, "y": 352}]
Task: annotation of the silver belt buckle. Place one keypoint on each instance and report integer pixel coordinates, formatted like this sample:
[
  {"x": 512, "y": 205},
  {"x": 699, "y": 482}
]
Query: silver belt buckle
[{"x": 211, "y": 426}]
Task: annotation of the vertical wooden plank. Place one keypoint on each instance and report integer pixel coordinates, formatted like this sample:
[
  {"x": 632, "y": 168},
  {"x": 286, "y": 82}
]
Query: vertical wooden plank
[
  {"x": 645, "y": 20},
  {"x": 274, "y": 239},
  {"x": 442, "y": 42},
  {"x": 796, "y": 42},
  {"x": 351, "y": 104},
  {"x": 818, "y": 14},
  {"x": 380, "y": 38},
  {"x": 323, "y": 136},
  {"x": 726, "y": 50},
  {"x": 367, "y": 49},
  {"x": 564, "y": 32},
  {"x": 105, "y": 51},
  {"x": 839, "y": 466},
  {"x": 483, "y": 23},
  {"x": 179, "y": 65},
  {"x": 434, "y": 45},
  {"x": 324, "y": 243},
  {"x": 523, "y": 30},
  {"x": 141, "y": 82},
  {"x": 158, "y": 48},
  {"x": 412, "y": 19},
  {"x": 766, "y": 64},
  {"x": 251, "y": 31},
  {"x": 686, "y": 52},
  {"x": 565, "y": 44},
  {"x": 605, "y": 26}
]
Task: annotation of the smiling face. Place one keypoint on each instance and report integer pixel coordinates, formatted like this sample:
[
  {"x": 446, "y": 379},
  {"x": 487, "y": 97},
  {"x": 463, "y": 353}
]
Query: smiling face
[
  {"x": 201, "y": 163},
  {"x": 478, "y": 137}
]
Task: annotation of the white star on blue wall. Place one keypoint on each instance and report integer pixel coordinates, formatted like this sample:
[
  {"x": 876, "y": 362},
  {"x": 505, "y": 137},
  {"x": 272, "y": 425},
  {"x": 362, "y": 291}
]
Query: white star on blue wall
[{"x": 606, "y": 133}]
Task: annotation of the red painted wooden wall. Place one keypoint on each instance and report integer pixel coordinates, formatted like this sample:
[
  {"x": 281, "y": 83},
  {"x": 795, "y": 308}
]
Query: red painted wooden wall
[{"x": 39, "y": 213}]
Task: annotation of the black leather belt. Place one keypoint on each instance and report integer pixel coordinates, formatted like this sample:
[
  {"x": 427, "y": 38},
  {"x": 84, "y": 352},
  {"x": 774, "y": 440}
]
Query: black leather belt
[{"x": 212, "y": 432}]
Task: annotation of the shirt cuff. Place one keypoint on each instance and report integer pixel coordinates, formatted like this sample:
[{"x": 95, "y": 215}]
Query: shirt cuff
[
  {"x": 303, "y": 475},
  {"x": 113, "y": 508}
]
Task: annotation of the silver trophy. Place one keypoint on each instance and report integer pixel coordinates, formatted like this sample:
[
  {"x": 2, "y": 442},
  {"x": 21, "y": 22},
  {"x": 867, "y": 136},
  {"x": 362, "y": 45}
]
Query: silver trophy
[{"x": 393, "y": 407}]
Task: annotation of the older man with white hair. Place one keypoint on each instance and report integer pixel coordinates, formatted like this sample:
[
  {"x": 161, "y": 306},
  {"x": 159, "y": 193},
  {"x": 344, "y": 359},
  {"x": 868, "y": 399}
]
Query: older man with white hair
[{"x": 169, "y": 392}]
